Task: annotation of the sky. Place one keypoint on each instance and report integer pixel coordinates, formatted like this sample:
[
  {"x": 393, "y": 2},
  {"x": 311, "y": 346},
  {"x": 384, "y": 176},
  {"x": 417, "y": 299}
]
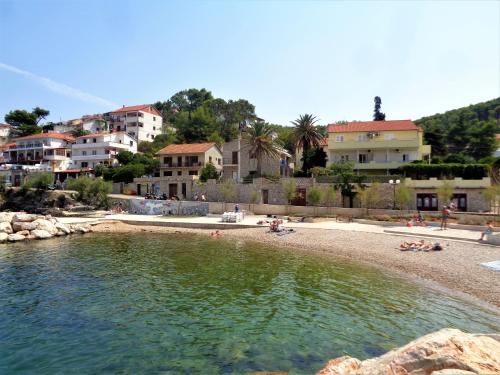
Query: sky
[{"x": 328, "y": 58}]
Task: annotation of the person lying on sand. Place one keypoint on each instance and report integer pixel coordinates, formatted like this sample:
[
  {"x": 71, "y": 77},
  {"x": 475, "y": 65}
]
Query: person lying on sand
[{"x": 421, "y": 245}]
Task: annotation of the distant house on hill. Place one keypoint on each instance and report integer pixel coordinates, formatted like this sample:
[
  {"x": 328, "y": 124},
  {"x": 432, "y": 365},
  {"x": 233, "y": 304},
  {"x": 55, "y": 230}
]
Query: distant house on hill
[{"x": 143, "y": 122}]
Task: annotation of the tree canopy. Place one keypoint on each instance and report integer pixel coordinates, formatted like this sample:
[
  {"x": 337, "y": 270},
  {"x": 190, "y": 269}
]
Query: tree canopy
[
  {"x": 24, "y": 122},
  {"x": 377, "y": 114},
  {"x": 468, "y": 131}
]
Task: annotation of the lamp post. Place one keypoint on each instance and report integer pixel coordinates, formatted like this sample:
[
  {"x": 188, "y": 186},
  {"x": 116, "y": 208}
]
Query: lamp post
[{"x": 394, "y": 183}]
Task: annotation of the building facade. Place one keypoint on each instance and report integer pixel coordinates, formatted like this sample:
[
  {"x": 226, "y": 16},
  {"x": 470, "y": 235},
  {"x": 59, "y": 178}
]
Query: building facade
[
  {"x": 101, "y": 148},
  {"x": 50, "y": 151},
  {"x": 376, "y": 147},
  {"x": 238, "y": 162},
  {"x": 88, "y": 123},
  {"x": 4, "y": 133},
  {"x": 142, "y": 122},
  {"x": 188, "y": 159}
]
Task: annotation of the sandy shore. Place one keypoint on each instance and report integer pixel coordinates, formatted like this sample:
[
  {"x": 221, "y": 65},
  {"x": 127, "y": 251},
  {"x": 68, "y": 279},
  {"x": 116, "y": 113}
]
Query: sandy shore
[{"x": 455, "y": 269}]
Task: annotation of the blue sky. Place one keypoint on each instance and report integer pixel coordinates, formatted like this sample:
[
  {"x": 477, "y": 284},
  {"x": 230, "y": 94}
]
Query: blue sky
[{"x": 329, "y": 58}]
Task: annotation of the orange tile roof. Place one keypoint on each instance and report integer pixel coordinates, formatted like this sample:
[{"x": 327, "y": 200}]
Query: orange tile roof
[
  {"x": 367, "y": 126},
  {"x": 2, "y": 126},
  {"x": 7, "y": 145},
  {"x": 186, "y": 148},
  {"x": 144, "y": 107},
  {"x": 47, "y": 135}
]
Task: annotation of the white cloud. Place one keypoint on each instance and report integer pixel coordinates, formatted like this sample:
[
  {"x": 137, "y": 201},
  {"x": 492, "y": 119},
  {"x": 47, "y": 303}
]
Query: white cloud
[{"x": 60, "y": 88}]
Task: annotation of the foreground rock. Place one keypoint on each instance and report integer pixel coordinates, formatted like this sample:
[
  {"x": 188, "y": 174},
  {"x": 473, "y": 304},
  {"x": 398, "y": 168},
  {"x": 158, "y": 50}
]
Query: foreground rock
[
  {"x": 445, "y": 352},
  {"x": 19, "y": 226}
]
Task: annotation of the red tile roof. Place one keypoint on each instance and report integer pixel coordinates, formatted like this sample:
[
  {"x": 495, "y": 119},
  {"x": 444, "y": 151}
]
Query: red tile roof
[
  {"x": 367, "y": 126},
  {"x": 7, "y": 145},
  {"x": 47, "y": 135},
  {"x": 144, "y": 108},
  {"x": 186, "y": 148},
  {"x": 3, "y": 126}
]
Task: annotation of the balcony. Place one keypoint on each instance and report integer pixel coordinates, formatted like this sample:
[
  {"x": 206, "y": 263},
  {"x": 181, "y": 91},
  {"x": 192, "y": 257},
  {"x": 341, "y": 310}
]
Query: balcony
[
  {"x": 182, "y": 165},
  {"x": 380, "y": 165},
  {"x": 55, "y": 157},
  {"x": 93, "y": 157},
  {"x": 374, "y": 144},
  {"x": 230, "y": 161},
  {"x": 88, "y": 145}
]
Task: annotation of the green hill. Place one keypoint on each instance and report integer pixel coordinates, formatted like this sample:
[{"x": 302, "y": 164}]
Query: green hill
[{"x": 463, "y": 133}]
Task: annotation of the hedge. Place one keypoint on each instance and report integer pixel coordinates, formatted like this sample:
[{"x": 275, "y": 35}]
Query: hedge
[{"x": 445, "y": 171}]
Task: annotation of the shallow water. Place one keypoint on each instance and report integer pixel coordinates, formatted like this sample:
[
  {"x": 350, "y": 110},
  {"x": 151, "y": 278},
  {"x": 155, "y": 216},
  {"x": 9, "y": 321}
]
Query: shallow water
[{"x": 184, "y": 304}]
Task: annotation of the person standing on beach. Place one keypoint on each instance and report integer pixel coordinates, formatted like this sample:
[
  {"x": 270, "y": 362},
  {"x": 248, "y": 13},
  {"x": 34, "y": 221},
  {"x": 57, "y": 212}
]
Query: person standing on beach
[{"x": 445, "y": 214}]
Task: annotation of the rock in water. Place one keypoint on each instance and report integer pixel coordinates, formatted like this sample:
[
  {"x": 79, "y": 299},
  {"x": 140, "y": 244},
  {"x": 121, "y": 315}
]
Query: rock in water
[
  {"x": 62, "y": 227},
  {"x": 24, "y": 225},
  {"x": 443, "y": 352},
  {"x": 3, "y": 236},
  {"x": 40, "y": 234},
  {"x": 5, "y": 227},
  {"x": 46, "y": 225},
  {"x": 15, "y": 237}
]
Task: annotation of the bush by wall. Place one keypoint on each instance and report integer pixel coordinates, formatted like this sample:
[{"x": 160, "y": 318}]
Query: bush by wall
[{"x": 445, "y": 171}]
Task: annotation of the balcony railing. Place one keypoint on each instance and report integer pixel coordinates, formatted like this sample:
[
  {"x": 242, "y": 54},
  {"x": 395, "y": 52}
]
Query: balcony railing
[
  {"x": 230, "y": 161},
  {"x": 182, "y": 165}
]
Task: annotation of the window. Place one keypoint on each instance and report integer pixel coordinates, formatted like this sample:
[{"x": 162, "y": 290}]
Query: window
[
  {"x": 362, "y": 138},
  {"x": 167, "y": 173},
  {"x": 193, "y": 173},
  {"x": 218, "y": 161},
  {"x": 131, "y": 143},
  {"x": 94, "y": 140},
  {"x": 154, "y": 127},
  {"x": 234, "y": 157},
  {"x": 84, "y": 153},
  {"x": 154, "y": 118},
  {"x": 85, "y": 140},
  {"x": 179, "y": 173},
  {"x": 389, "y": 136},
  {"x": 460, "y": 201},
  {"x": 344, "y": 157},
  {"x": 339, "y": 138},
  {"x": 362, "y": 158},
  {"x": 406, "y": 157},
  {"x": 209, "y": 159},
  {"x": 167, "y": 160},
  {"x": 94, "y": 152},
  {"x": 427, "y": 202},
  {"x": 84, "y": 164}
]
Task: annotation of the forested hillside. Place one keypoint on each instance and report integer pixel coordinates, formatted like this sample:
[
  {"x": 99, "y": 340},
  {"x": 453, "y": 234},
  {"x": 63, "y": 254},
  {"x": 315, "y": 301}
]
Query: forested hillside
[{"x": 463, "y": 133}]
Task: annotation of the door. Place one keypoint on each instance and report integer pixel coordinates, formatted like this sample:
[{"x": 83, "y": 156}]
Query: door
[
  {"x": 172, "y": 190},
  {"x": 184, "y": 190},
  {"x": 460, "y": 201},
  {"x": 427, "y": 202},
  {"x": 138, "y": 189},
  {"x": 265, "y": 196}
]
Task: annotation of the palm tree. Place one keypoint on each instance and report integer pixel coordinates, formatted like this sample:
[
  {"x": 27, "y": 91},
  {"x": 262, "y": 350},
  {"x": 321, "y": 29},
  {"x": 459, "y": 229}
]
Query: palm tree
[
  {"x": 260, "y": 139},
  {"x": 305, "y": 134}
]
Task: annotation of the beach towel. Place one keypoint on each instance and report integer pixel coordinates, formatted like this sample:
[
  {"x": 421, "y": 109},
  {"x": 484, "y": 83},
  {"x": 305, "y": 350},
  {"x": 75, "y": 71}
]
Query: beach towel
[{"x": 494, "y": 265}]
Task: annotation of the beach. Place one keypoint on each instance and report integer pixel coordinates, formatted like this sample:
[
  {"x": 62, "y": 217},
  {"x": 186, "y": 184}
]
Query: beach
[{"x": 456, "y": 269}]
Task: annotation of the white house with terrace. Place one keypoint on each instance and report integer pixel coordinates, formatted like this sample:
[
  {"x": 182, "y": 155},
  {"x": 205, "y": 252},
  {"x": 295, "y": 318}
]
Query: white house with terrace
[
  {"x": 143, "y": 122},
  {"x": 101, "y": 148},
  {"x": 48, "y": 151}
]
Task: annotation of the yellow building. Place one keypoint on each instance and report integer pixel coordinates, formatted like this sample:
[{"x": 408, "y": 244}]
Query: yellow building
[{"x": 377, "y": 147}]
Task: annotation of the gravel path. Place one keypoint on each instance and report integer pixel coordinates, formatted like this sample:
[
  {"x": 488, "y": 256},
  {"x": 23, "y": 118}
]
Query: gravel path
[{"x": 455, "y": 268}]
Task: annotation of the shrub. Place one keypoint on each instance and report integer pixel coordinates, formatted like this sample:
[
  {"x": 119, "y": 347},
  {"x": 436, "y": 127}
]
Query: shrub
[
  {"x": 314, "y": 195},
  {"x": 209, "y": 172},
  {"x": 444, "y": 171},
  {"x": 91, "y": 191},
  {"x": 40, "y": 180},
  {"x": 128, "y": 172}
]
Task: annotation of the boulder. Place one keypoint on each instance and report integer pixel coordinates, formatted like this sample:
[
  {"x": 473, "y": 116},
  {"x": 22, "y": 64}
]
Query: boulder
[
  {"x": 15, "y": 237},
  {"x": 60, "y": 233},
  {"x": 7, "y": 216},
  {"x": 25, "y": 217},
  {"x": 5, "y": 227},
  {"x": 62, "y": 227},
  {"x": 443, "y": 352},
  {"x": 47, "y": 226},
  {"x": 24, "y": 233},
  {"x": 40, "y": 234},
  {"x": 24, "y": 225},
  {"x": 3, "y": 236},
  {"x": 81, "y": 228}
]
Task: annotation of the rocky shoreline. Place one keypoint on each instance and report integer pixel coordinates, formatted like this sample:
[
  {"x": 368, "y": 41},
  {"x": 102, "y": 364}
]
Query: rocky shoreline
[
  {"x": 445, "y": 352},
  {"x": 20, "y": 226}
]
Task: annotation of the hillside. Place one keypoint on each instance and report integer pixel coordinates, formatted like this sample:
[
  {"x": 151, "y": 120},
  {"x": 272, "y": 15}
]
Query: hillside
[{"x": 467, "y": 131}]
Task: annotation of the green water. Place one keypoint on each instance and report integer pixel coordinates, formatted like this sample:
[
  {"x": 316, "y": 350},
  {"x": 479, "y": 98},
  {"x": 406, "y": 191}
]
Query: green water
[{"x": 159, "y": 304}]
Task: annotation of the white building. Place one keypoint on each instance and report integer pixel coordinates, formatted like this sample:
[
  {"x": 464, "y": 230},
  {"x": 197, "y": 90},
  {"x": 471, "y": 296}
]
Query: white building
[
  {"x": 4, "y": 132},
  {"x": 89, "y": 123},
  {"x": 50, "y": 151},
  {"x": 101, "y": 148},
  {"x": 143, "y": 122}
]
